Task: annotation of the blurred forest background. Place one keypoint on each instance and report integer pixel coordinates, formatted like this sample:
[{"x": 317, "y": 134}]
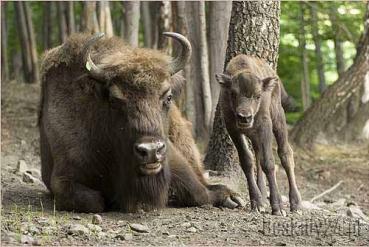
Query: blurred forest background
[{"x": 317, "y": 43}]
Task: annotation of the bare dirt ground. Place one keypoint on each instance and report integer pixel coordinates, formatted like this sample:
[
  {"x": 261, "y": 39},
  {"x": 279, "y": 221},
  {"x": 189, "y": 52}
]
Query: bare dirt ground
[{"x": 28, "y": 215}]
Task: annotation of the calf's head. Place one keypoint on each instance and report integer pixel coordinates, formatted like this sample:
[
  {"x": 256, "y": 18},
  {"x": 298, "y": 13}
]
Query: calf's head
[
  {"x": 247, "y": 91},
  {"x": 140, "y": 85}
]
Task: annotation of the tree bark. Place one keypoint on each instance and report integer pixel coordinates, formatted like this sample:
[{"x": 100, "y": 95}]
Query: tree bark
[
  {"x": 62, "y": 21},
  {"x": 253, "y": 30},
  {"x": 336, "y": 109},
  {"x": 4, "y": 44},
  {"x": 219, "y": 16},
  {"x": 23, "y": 37},
  {"x": 105, "y": 22},
  {"x": 146, "y": 21},
  {"x": 131, "y": 20},
  {"x": 336, "y": 30},
  {"x": 204, "y": 67},
  {"x": 47, "y": 25},
  {"x": 318, "y": 45},
  {"x": 70, "y": 17},
  {"x": 32, "y": 44},
  {"x": 186, "y": 100},
  {"x": 164, "y": 24},
  {"x": 305, "y": 82},
  {"x": 89, "y": 23}
]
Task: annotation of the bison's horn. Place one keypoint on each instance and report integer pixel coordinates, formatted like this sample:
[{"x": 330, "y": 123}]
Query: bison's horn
[
  {"x": 94, "y": 70},
  {"x": 184, "y": 53}
]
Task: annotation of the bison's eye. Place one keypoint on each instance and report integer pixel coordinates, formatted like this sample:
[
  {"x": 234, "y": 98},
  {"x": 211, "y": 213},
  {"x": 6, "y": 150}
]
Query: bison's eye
[
  {"x": 168, "y": 100},
  {"x": 167, "y": 97},
  {"x": 257, "y": 97}
]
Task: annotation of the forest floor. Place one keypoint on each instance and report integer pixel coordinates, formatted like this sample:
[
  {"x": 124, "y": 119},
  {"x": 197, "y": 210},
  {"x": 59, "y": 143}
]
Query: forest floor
[{"x": 28, "y": 214}]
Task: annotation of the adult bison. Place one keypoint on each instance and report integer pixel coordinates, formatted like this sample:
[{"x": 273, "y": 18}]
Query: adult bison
[{"x": 111, "y": 136}]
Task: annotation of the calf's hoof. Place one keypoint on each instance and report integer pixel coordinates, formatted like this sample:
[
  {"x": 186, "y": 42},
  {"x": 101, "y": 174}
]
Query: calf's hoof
[{"x": 258, "y": 206}]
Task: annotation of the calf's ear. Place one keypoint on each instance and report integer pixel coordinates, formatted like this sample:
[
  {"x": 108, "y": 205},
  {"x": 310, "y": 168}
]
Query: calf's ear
[
  {"x": 223, "y": 80},
  {"x": 269, "y": 83},
  {"x": 177, "y": 81}
]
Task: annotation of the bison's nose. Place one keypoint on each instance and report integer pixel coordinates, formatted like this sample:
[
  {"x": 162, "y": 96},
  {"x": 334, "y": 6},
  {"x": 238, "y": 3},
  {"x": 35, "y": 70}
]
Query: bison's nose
[
  {"x": 150, "y": 152},
  {"x": 244, "y": 118}
]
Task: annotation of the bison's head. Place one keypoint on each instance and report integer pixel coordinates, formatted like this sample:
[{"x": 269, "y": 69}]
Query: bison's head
[
  {"x": 247, "y": 91},
  {"x": 140, "y": 85}
]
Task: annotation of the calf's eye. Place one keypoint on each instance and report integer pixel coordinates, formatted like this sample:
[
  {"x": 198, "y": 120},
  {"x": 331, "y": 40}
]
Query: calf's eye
[{"x": 168, "y": 100}]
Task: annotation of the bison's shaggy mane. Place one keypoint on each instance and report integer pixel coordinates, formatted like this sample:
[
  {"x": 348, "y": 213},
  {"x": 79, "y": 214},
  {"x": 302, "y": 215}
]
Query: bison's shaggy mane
[{"x": 137, "y": 67}]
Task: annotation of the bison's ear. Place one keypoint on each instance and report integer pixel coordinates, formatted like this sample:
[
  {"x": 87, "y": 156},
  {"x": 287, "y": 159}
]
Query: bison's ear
[
  {"x": 177, "y": 82},
  {"x": 224, "y": 80},
  {"x": 269, "y": 83}
]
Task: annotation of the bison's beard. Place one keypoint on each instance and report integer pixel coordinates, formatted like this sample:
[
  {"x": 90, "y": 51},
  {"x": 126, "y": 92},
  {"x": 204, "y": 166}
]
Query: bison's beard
[{"x": 143, "y": 192}]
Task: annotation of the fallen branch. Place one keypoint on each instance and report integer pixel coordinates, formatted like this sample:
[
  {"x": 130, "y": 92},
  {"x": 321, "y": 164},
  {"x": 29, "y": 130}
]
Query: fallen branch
[{"x": 327, "y": 191}]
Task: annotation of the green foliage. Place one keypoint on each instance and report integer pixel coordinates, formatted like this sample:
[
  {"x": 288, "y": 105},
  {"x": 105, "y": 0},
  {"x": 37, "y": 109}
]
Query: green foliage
[{"x": 349, "y": 19}]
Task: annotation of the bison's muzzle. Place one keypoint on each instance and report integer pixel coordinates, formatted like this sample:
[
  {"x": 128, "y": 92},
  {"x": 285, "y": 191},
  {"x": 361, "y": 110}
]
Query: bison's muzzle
[{"x": 150, "y": 155}]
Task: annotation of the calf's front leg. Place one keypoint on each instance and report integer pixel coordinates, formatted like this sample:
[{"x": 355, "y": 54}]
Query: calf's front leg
[
  {"x": 264, "y": 143},
  {"x": 247, "y": 164}
]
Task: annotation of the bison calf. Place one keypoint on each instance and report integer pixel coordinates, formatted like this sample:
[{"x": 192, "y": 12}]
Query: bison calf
[
  {"x": 111, "y": 136},
  {"x": 251, "y": 106}
]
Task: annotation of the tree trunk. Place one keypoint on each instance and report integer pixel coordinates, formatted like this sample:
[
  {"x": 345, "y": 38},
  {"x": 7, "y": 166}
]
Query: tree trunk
[
  {"x": 253, "y": 30},
  {"x": 146, "y": 21},
  {"x": 62, "y": 21},
  {"x": 32, "y": 44},
  {"x": 131, "y": 20},
  {"x": 318, "y": 45},
  {"x": 186, "y": 100},
  {"x": 47, "y": 25},
  {"x": 219, "y": 16},
  {"x": 305, "y": 82},
  {"x": 204, "y": 68},
  {"x": 336, "y": 109},
  {"x": 23, "y": 37},
  {"x": 163, "y": 24},
  {"x": 70, "y": 17},
  {"x": 194, "y": 16},
  {"x": 336, "y": 30},
  {"x": 4, "y": 44},
  {"x": 105, "y": 22},
  {"x": 89, "y": 23}
]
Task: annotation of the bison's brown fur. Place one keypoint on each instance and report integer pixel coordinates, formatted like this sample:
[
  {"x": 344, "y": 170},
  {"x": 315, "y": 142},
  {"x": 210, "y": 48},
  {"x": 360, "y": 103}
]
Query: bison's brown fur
[
  {"x": 251, "y": 102},
  {"x": 88, "y": 128}
]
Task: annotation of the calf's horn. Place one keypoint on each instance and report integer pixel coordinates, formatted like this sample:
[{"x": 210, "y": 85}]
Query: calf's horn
[
  {"x": 184, "y": 53},
  {"x": 92, "y": 68}
]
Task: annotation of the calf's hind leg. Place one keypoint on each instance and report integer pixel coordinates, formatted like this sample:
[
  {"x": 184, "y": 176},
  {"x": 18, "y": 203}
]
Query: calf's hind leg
[{"x": 285, "y": 154}]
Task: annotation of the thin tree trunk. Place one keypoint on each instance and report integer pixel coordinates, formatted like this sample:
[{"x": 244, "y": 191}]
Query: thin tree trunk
[
  {"x": 334, "y": 110},
  {"x": 32, "y": 44},
  {"x": 204, "y": 67},
  {"x": 219, "y": 16},
  {"x": 253, "y": 30},
  {"x": 70, "y": 17},
  {"x": 340, "y": 61},
  {"x": 62, "y": 21},
  {"x": 181, "y": 26},
  {"x": 47, "y": 25},
  {"x": 163, "y": 24},
  {"x": 23, "y": 37},
  {"x": 305, "y": 82},
  {"x": 193, "y": 19},
  {"x": 318, "y": 45},
  {"x": 146, "y": 21},
  {"x": 4, "y": 44},
  {"x": 155, "y": 15},
  {"x": 131, "y": 22},
  {"x": 105, "y": 22},
  {"x": 89, "y": 21}
]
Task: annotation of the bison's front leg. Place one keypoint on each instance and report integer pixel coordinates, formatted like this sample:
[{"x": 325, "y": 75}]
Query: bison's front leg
[
  {"x": 190, "y": 190},
  {"x": 72, "y": 196}
]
